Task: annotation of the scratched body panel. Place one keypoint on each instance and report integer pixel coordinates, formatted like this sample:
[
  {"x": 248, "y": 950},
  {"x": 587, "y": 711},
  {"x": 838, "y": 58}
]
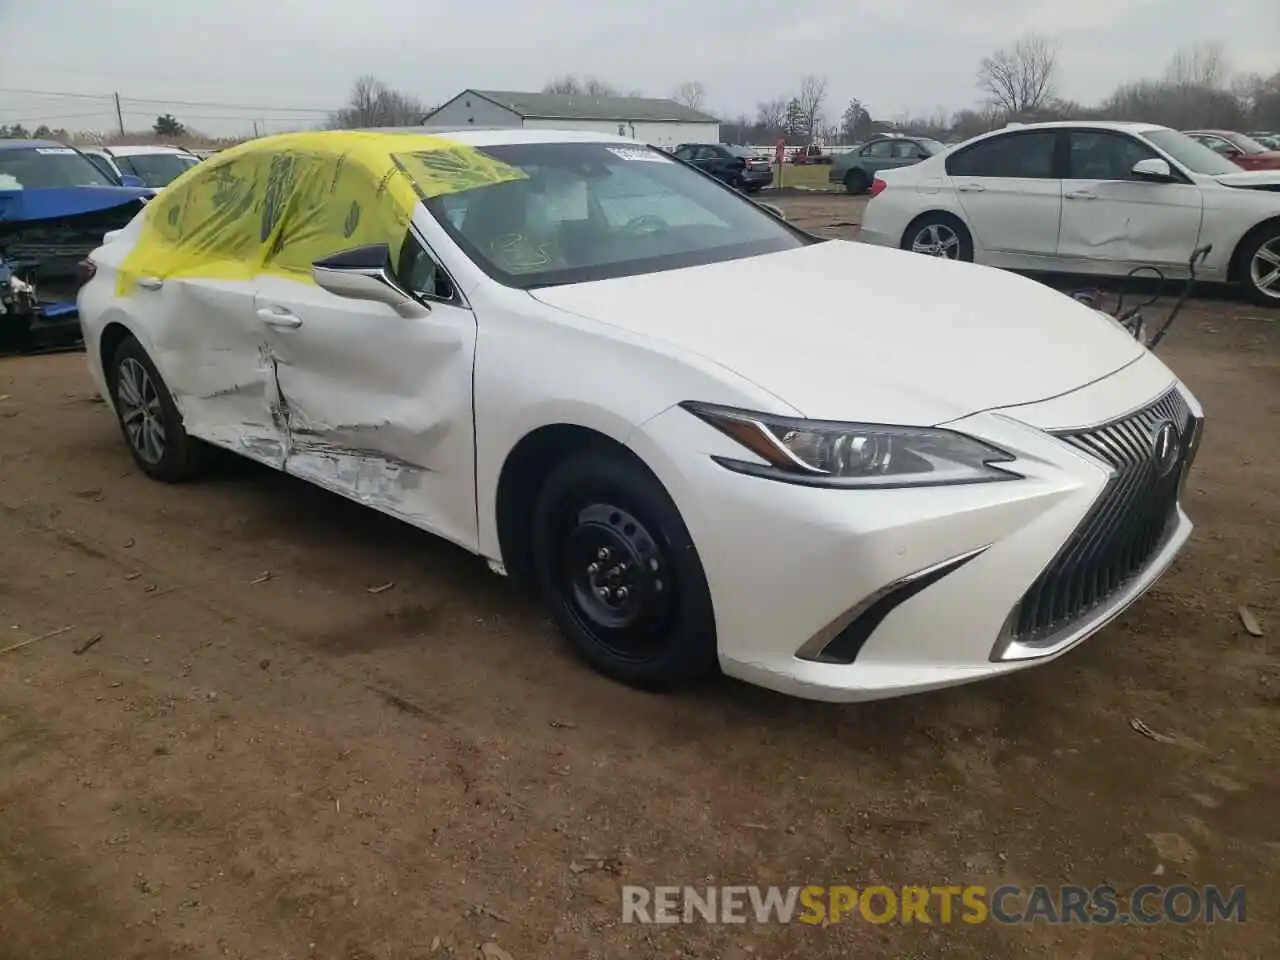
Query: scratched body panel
[
  {"x": 208, "y": 341},
  {"x": 377, "y": 406}
]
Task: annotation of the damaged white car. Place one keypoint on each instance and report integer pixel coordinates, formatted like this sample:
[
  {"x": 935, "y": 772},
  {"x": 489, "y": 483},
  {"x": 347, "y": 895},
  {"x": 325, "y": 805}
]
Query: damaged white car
[
  {"x": 709, "y": 438},
  {"x": 1103, "y": 198}
]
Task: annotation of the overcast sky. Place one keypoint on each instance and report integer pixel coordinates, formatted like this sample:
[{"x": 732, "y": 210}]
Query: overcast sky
[{"x": 301, "y": 55}]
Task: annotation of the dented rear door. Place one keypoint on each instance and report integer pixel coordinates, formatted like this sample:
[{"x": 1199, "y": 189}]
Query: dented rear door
[{"x": 377, "y": 406}]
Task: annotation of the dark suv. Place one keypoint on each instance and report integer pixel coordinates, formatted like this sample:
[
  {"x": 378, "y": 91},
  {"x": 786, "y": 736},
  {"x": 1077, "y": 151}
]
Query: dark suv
[{"x": 739, "y": 167}]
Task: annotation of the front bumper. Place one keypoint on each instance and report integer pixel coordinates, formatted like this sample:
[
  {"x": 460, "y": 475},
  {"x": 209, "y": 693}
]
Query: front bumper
[{"x": 793, "y": 568}]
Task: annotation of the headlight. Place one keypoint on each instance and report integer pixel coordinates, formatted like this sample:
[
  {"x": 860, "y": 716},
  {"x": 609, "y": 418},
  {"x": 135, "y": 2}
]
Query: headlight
[{"x": 824, "y": 453}]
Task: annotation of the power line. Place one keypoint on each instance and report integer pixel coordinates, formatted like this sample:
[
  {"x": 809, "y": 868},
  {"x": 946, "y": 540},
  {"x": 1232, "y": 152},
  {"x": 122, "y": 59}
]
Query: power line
[
  {"x": 27, "y": 121},
  {"x": 227, "y": 106},
  {"x": 177, "y": 103}
]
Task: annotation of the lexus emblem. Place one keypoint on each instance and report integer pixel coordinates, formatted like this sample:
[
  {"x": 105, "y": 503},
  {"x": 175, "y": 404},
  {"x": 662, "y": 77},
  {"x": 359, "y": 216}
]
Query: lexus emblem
[{"x": 1165, "y": 448}]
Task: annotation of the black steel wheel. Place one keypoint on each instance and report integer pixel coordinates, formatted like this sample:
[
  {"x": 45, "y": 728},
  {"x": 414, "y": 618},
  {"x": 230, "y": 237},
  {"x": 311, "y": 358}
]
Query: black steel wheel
[
  {"x": 149, "y": 419},
  {"x": 856, "y": 182},
  {"x": 619, "y": 570}
]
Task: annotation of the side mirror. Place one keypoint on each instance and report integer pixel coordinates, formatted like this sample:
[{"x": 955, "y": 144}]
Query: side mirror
[
  {"x": 776, "y": 210},
  {"x": 129, "y": 180},
  {"x": 363, "y": 273},
  {"x": 1153, "y": 168}
]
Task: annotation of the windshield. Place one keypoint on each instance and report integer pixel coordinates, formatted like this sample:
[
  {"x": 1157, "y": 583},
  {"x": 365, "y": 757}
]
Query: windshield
[
  {"x": 1247, "y": 144},
  {"x": 1192, "y": 154},
  {"x": 156, "y": 169},
  {"x": 30, "y": 168},
  {"x": 593, "y": 211},
  {"x": 932, "y": 146}
]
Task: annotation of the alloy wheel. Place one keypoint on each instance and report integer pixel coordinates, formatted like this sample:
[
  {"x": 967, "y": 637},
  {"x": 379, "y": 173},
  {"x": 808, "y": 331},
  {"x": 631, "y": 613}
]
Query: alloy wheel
[
  {"x": 1264, "y": 270},
  {"x": 937, "y": 240},
  {"x": 140, "y": 410}
]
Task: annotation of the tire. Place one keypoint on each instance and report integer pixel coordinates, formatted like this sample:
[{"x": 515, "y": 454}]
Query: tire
[
  {"x": 146, "y": 413},
  {"x": 856, "y": 182},
  {"x": 1256, "y": 266},
  {"x": 943, "y": 226},
  {"x": 602, "y": 522}
]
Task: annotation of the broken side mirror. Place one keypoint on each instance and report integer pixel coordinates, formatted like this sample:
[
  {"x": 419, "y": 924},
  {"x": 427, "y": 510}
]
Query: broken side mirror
[{"x": 364, "y": 273}]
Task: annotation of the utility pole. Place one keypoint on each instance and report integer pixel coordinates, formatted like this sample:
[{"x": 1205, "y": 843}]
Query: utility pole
[
  {"x": 255, "y": 129},
  {"x": 119, "y": 115}
]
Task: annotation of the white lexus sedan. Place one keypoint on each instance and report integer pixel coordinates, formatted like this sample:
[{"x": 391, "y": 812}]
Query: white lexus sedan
[
  {"x": 1093, "y": 198},
  {"x": 709, "y": 438}
]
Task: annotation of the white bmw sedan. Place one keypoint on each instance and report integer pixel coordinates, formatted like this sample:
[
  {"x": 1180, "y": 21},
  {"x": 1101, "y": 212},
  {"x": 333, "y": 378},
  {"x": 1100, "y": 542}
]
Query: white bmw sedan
[
  {"x": 1092, "y": 198},
  {"x": 710, "y": 439}
]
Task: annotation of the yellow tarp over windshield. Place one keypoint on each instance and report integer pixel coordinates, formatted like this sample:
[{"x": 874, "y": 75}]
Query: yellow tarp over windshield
[{"x": 278, "y": 204}]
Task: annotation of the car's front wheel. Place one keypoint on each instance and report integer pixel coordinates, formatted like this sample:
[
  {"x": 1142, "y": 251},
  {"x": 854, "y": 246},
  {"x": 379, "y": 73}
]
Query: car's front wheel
[
  {"x": 149, "y": 419},
  {"x": 939, "y": 235},
  {"x": 616, "y": 564},
  {"x": 1260, "y": 260}
]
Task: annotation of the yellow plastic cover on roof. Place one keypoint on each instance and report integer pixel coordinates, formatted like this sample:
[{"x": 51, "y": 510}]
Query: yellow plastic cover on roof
[{"x": 278, "y": 204}]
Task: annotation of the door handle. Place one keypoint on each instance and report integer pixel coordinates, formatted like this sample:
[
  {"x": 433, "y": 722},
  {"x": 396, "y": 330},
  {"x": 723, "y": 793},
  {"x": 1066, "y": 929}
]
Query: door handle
[
  {"x": 971, "y": 188},
  {"x": 279, "y": 317},
  {"x": 150, "y": 283},
  {"x": 1080, "y": 195}
]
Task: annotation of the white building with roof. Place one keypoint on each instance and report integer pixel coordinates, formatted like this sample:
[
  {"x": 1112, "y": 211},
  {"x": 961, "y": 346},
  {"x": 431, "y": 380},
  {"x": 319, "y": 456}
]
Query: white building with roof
[{"x": 661, "y": 122}]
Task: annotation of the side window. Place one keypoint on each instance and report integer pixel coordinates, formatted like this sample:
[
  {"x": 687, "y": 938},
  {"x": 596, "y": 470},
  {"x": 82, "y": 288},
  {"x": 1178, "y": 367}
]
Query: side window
[
  {"x": 707, "y": 153},
  {"x": 420, "y": 273},
  {"x": 1022, "y": 155},
  {"x": 102, "y": 164},
  {"x": 905, "y": 150},
  {"x": 881, "y": 148},
  {"x": 1216, "y": 144},
  {"x": 684, "y": 153},
  {"x": 126, "y": 166},
  {"x": 1103, "y": 155}
]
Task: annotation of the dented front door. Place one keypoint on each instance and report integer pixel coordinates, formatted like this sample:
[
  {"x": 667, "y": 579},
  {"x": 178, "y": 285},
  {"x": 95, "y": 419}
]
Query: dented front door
[{"x": 376, "y": 406}]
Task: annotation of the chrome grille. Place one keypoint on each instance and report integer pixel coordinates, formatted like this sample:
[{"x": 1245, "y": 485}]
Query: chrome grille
[{"x": 1125, "y": 527}]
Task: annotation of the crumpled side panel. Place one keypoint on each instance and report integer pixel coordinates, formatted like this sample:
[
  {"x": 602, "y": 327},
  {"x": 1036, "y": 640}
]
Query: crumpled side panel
[{"x": 277, "y": 204}]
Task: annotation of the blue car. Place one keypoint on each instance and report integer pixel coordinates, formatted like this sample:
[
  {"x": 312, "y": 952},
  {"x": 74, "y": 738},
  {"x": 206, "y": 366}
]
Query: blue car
[{"x": 55, "y": 207}]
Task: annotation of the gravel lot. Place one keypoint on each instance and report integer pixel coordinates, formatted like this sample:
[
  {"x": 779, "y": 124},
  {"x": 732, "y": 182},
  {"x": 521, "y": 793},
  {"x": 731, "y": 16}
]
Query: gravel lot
[{"x": 307, "y": 766}]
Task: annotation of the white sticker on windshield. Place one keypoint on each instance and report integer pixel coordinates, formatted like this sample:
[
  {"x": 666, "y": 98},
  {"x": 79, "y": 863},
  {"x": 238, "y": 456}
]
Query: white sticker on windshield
[
  {"x": 637, "y": 153},
  {"x": 59, "y": 151}
]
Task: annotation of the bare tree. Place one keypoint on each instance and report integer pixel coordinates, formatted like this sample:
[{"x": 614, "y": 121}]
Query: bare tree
[
  {"x": 584, "y": 86},
  {"x": 812, "y": 97},
  {"x": 691, "y": 93},
  {"x": 1202, "y": 65},
  {"x": 1020, "y": 80},
  {"x": 374, "y": 104},
  {"x": 771, "y": 116}
]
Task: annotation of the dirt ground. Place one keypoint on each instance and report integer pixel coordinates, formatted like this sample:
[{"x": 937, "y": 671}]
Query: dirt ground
[{"x": 266, "y": 756}]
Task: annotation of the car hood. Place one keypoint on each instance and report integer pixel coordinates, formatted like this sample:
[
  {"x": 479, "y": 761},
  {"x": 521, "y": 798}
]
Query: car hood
[
  {"x": 1251, "y": 179},
  {"x": 847, "y": 331},
  {"x": 47, "y": 203}
]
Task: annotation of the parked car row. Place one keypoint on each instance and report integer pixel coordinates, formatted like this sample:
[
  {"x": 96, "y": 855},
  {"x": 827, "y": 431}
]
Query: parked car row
[
  {"x": 154, "y": 166},
  {"x": 1086, "y": 198}
]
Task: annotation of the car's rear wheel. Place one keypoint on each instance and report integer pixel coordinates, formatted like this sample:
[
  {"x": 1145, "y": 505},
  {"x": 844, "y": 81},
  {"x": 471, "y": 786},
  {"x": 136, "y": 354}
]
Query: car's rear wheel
[
  {"x": 1260, "y": 262},
  {"x": 938, "y": 235},
  {"x": 615, "y": 562},
  {"x": 857, "y": 182},
  {"x": 149, "y": 419}
]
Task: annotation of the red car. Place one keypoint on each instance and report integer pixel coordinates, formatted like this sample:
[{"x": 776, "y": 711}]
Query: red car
[{"x": 1245, "y": 151}]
